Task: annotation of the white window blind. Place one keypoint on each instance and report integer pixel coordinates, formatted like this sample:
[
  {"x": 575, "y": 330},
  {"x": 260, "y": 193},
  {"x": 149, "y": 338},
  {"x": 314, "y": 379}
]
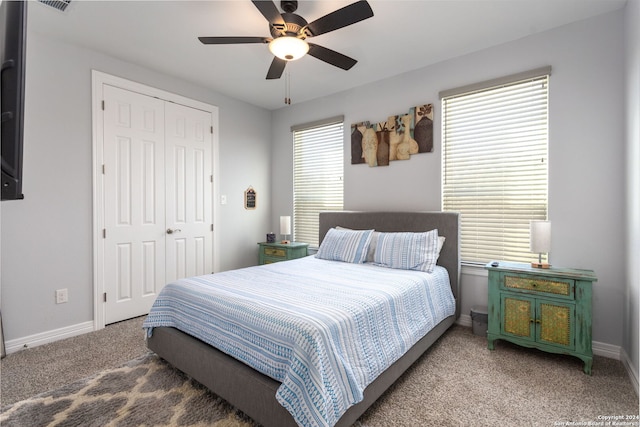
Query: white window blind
[
  {"x": 318, "y": 167},
  {"x": 495, "y": 167}
]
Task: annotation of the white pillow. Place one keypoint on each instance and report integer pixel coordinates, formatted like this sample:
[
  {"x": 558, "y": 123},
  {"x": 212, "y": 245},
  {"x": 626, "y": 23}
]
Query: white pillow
[
  {"x": 371, "y": 253},
  {"x": 408, "y": 251},
  {"x": 441, "y": 240},
  {"x": 345, "y": 245}
]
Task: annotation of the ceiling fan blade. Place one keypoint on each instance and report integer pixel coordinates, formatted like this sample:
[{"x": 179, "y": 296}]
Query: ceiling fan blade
[
  {"x": 276, "y": 69},
  {"x": 269, "y": 11},
  {"x": 331, "y": 56},
  {"x": 233, "y": 40},
  {"x": 340, "y": 18}
]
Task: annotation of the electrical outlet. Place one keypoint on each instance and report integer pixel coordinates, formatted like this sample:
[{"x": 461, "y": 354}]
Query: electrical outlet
[
  {"x": 223, "y": 199},
  {"x": 62, "y": 296}
]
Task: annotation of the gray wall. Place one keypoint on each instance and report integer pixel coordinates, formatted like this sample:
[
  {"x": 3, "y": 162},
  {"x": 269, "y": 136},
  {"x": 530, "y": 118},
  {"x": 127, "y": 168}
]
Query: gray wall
[
  {"x": 594, "y": 203},
  {"x": 586, "y": 194},
  {"x": 632, "y": 67},
  {"x": 47, "y": 237}
]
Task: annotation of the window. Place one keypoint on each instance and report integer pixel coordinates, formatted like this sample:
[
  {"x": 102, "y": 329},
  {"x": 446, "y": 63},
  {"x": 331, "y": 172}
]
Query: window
[
  {"x": 318, "y": 165},
  {"x": 495, "y": 164}
]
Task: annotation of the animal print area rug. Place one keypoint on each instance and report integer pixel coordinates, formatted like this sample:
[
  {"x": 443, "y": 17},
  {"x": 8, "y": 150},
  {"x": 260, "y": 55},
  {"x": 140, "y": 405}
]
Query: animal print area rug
[{"x": 146, "y": 391}]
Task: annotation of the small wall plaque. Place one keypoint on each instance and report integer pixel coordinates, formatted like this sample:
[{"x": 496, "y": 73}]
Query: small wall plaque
[{"x": 250, "y": 198}]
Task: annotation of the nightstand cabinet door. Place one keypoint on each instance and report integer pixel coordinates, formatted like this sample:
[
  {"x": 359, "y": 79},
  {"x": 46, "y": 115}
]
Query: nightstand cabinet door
[
  {"x": 518, "y": 313},
  {"x": 538, "y": 320},
  {"x": 555, "y": 323}
]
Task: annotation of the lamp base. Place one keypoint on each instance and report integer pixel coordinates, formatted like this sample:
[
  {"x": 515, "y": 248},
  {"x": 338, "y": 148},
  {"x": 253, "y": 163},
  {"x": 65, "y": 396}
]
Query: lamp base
[
  {"x": 540, "y": 265},
  {"x": 285, "y": 242}
]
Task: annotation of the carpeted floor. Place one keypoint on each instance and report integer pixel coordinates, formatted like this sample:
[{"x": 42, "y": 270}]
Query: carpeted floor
[
  {"x": 47, "y": 367},
  {"x": 145, "y": 391},
  {"x": 458, "y": 382}
]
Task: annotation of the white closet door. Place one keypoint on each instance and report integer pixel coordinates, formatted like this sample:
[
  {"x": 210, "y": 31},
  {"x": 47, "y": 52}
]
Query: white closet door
[
  {"x": 134, "y": 202},
  {"x": 189, "y": 186}
]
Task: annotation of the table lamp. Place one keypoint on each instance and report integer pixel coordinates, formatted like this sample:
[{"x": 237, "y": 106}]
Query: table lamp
[
  {"x": 540, "y": 241},
  {"x": 285, "y": 228}
]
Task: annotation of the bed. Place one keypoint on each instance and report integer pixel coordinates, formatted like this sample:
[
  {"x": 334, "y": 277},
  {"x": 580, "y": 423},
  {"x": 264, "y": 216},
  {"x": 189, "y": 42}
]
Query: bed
[{"x": 256, "y": 393}]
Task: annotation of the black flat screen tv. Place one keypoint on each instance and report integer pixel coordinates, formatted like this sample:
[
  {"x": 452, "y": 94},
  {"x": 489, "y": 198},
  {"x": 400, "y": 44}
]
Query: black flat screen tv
[{"x": 13, "y": 31}]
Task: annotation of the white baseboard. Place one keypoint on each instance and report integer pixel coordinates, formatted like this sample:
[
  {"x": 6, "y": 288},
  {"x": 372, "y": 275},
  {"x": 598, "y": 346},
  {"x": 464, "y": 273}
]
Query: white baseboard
[
  {"x": 41, "y": 338},
  {"x": 631, "y": 370},
  {"x": 464, "y": 320},
  {"x": 606, "y": 350}
]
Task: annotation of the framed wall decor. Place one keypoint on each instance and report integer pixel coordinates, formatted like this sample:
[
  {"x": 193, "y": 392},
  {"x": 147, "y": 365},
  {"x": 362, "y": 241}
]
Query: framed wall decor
[
  {"x": 250, "y": 198},
  {"x": 397, "y": 138}
]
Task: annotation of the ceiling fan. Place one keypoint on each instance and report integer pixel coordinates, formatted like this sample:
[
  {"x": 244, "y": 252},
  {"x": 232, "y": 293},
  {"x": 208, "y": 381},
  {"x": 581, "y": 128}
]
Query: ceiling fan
[{"x": 290, "y": 31}]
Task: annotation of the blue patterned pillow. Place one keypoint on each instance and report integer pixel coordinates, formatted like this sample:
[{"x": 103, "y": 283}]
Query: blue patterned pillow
[
  {"x": 372, "y": 246},
  {"x": 345, "y": 245},
  {"x": 407, "y": 251}
]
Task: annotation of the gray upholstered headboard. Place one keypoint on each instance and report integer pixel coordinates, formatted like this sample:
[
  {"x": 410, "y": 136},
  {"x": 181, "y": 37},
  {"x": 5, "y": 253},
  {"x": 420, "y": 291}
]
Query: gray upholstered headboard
[{"x": 447, "y": 223}]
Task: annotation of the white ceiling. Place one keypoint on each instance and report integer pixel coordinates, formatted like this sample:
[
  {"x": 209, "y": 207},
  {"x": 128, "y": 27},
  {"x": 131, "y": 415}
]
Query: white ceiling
[{"x": 402, "y": 36}]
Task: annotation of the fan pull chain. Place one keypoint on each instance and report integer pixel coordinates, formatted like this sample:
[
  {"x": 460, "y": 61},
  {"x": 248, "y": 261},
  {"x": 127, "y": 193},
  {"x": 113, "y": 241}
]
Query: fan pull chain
[{"x": 287, "y": 88}]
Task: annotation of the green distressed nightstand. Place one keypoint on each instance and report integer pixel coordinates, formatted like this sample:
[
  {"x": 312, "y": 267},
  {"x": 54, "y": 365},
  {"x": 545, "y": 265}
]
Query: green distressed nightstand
[
  {"x": 547, "y": 309},
  {"x": 276, "y": 252}
]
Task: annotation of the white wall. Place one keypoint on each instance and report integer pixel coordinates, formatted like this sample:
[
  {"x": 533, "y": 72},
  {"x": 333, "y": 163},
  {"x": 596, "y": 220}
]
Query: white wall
[
  {"x": 47, "y": 237},
  {"x": 632, "y": 67},
  {"x": 586, "y": 194}
]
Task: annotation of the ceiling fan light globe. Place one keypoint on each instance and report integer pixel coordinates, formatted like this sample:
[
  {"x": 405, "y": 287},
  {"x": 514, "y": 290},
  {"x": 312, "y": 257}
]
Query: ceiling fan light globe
[{"x": 288, "y": 48}]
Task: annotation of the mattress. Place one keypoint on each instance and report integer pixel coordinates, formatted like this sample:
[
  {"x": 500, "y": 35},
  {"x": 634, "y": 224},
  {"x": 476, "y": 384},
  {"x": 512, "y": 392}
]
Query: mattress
[{"x": 324, "y": 329}]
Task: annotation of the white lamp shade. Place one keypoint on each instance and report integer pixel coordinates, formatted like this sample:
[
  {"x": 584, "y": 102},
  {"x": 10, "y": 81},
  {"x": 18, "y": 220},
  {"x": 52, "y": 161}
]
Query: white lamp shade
[
  {"x": 288, "y": 48},
  {"x": 285, "y": 225},
  {"x": 540, "y": 237}
]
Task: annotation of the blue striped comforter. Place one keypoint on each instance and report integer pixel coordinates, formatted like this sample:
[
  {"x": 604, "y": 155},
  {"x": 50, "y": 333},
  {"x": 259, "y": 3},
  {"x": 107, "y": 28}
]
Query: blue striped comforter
[{"x": 324, "y": 329}]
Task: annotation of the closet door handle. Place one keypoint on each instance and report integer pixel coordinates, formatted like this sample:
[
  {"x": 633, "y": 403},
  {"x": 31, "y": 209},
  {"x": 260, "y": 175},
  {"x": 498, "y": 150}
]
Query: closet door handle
[{"x": 171, "y": 231}]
